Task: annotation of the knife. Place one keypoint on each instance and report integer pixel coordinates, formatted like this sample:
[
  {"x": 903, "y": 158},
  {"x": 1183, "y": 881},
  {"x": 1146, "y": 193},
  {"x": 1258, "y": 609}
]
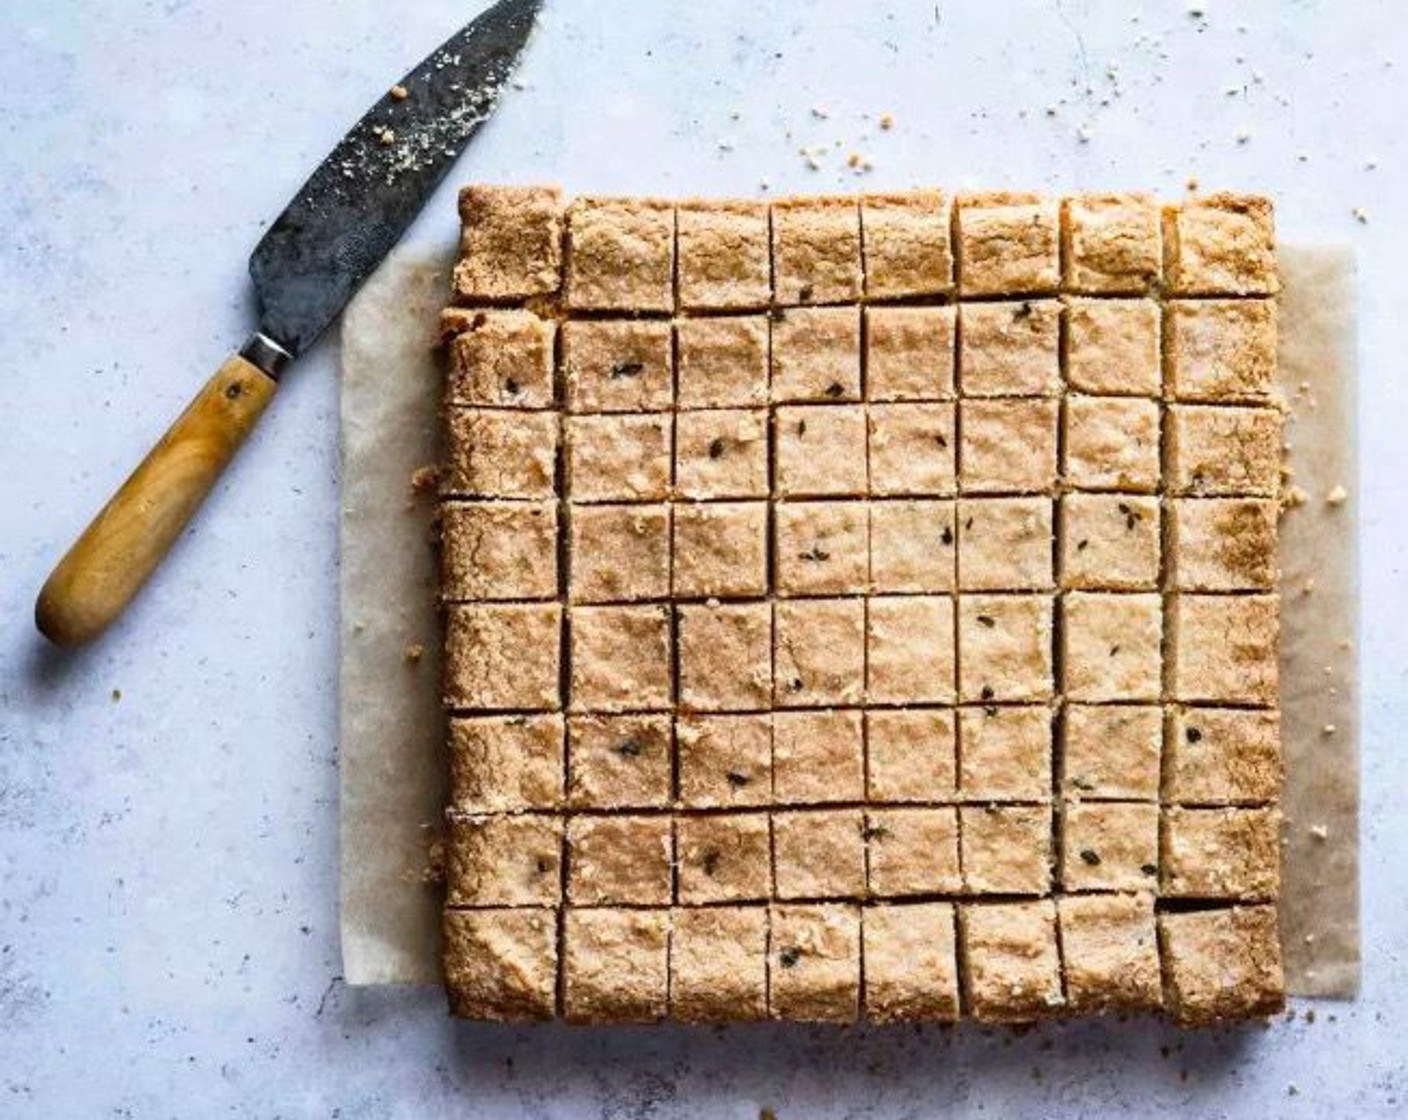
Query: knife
[{"x": 334, "y": 233}]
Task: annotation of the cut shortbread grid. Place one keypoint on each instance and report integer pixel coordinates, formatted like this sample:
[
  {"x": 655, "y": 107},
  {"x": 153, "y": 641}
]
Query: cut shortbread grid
[{"x": 862, "y": 608}]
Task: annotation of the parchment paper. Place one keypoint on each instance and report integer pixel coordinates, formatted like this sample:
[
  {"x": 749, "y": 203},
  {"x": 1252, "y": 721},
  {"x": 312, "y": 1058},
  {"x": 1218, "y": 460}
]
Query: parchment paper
[{"x": 392, "y": 733}]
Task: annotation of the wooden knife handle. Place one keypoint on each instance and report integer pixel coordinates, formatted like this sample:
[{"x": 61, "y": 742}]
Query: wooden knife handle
[{"x": 122, "y": 546}]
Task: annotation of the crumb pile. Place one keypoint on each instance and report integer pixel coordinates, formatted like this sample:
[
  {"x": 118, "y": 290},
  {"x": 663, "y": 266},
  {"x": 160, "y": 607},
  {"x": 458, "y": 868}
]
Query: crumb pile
[{"x": 862, "y": 608}]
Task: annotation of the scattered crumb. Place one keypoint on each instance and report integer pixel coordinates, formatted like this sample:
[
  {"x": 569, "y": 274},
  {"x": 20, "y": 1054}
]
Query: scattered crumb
[
  {"x": 1292, "y": 1089},
  {"x": 1051, "y": 110},
  {"x": 767, "y": 1114},
  {"x": 887, "y": 121},
  {"x": 1310, "y": 1014},
  {"x": 413, "y": 652},
  {"x": 1360, "y": 215},
  {"x": 399, "y": 93},
  {"x": 387, "y": 137},
  {"x": 1304, "y": 157},
  {"x": 1319, "y": 831},
  {"x": 116, "y": 695},
  {"x": 820, "y": 112},
  {"x": 1084, "y": 133},
  {"x": 1328, "y": 729},
  {"x": 1192, "y": 183},
  {"x": 425, "y": 480},
  {"x": 1337, "y": 496},
  {"x": 1243, "y": 135},
  {"x": 1294, "y": 497}
]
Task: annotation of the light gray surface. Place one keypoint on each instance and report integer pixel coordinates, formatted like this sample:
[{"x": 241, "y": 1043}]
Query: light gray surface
[{"x": 168, "y": 859}]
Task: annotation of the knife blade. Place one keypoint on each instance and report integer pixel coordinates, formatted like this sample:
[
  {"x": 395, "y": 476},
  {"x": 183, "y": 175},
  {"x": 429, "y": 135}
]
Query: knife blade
[{"x": 328, "y": 240}]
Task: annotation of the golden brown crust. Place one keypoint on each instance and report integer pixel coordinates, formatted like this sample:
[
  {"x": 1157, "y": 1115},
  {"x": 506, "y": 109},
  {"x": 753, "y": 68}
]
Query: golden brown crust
[
  {"x": 822, "y": 576},
  {"x": 510, "y": 243},
  {"x": 1221, "y": 965},
  {"x": 501, "y": 964}
]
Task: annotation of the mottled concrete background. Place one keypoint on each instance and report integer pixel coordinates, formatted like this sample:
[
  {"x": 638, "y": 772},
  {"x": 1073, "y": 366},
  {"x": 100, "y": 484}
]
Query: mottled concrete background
[{"x": 168, "y": 814}]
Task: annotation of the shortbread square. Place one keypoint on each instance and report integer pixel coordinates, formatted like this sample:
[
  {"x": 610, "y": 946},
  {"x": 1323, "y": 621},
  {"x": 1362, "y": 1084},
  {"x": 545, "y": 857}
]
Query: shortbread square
[
  {"x": 724, "y": 259},
  {"x": 912, "y": 851},
  {"x": 615, "y": 965},
  {"x": 1224, "y": 544},
  {"x": 1004, "y": 753},
  {"x": 1010, "y": 349},
  {"x": 816, "y": 250},
  {"x": 498, "y": 550},
  {"x": 1113, "y": 347},
  {"x": 1110, "y": 542},
  {"x": 913, "y": 546},
  {"x": 1222, "y": 649},
  {"x": 617, "y": 365},
  {"x": 504, "y": 360},
  {"x": 1110, "y": 952},
  {"x": 724, "y": 760},
  {"x": 505, "y": 763},
  {"x": 1008, "y": 244},
  {"x": 496, "y": 453},
  {"x": 1004, "y": 648},
  {"x": 814, "y": 963},
  {"x": 510, "y": 243},
  {"x": 1111, "y": 752},
  {"x": 822, "y": 548},
  {"x": 723, "y": 362},
  {"x": 1006, "y": 849},
  {"x": 1110, "y": 846},
  {"x": 511, "y": 860},
  {"x": 724, "y": 858},
  {"x": 620, "y": 859},
  {"x": 909, "y": 651},
  {"x": 1112, "y": 443},
  {"x": 820, "y": 451},
  {"x": 818, "y": 757},
  {"x": 911, "y": 754},
  {"x": 1220, "y": 244},
  {"x": 725, "y": 652},
  {"x": 1010, "y": 966},
  {"x": 910, "y": 353},
  {"x": 819, "y": 853},
  {"x": 618, "y": 762},
  {"x": 722, "y": 453},
  {"x": 1220, "y": 451},
  {"x": 912, "y": 449},
  {"x": 1222, "y": 756},
  {"x": 1005, "y": 544},
  {"x": 911, "y": 963},
  {"x": 907, "y": 250},
  {"x": 1222, "y": 964},
  {"x": 816, "y": 354},
  {"x": 1220, "y": 350},
  {"x": 502, "y": 656},
  {"x": 1221, "y": 853},
  {"x": 1112, "y": 646},
  {"x": 501, "y": 965},
  {"x": 819, "y": 652},
  {"x": 1009, "y": 446},
  {"x": 1113, "y": 243},
  {"x": 718, "y": 964},
  {"x": 721, "y": 549},
  {"x": 620, "y": 255},
  {"x": 620, "y": 658},
  {"x": 620, "y": 553},
  {"x": 619, "y": 458}
]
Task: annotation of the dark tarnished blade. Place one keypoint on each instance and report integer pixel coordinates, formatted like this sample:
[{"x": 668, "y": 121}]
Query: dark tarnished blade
[{"x": 360, "y": 200}]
